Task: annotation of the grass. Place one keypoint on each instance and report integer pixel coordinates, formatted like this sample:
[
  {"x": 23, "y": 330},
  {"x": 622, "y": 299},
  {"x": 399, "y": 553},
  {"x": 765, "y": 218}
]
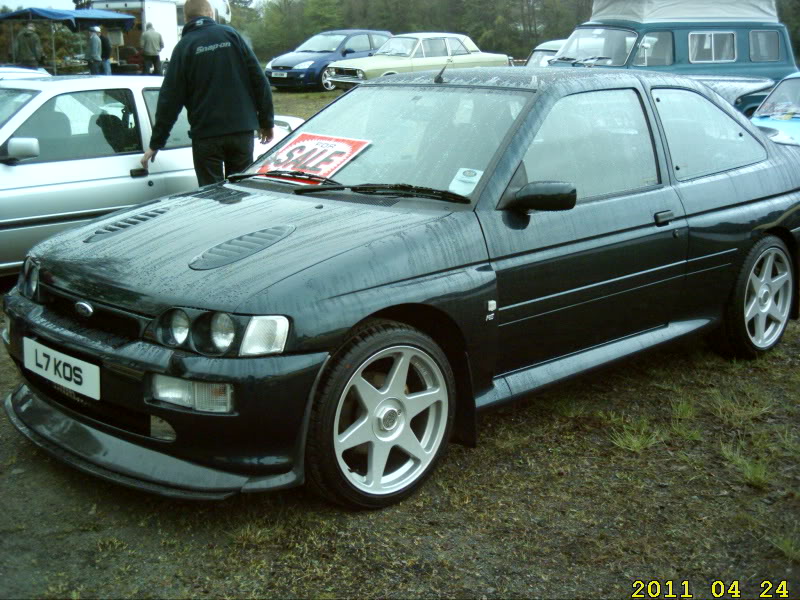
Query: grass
[{"x": 302, "y": 104}]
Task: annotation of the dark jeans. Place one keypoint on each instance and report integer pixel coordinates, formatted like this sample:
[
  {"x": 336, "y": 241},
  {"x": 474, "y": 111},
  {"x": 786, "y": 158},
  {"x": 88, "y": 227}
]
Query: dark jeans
[
  {"x": 95, "y": 67},
  {"x": 154, "y": 62},
  {"x": 217, "y": 157}
]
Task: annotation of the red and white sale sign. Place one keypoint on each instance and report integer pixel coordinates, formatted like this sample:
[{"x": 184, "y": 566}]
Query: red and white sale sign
[{"x": 315, "y": 154}]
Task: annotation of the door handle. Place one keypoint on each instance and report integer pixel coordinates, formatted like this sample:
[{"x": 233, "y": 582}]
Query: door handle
[
  {"x": 139, "y": 172},
  {"x": 664, "y": 217}
]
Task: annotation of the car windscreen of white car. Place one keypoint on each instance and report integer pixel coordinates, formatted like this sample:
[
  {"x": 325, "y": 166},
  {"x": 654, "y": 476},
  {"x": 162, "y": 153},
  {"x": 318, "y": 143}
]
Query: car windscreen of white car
[
  {"x": 398, "y": 46},
  {"x": 784, "y": 101},
  {"x": 442, "y": 138},
  {"x": 605, "y": 46},
  {"x": 11, "y": 101}
]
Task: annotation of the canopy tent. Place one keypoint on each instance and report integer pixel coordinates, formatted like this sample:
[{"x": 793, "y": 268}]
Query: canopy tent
[
  {"x": 685, "y": 10},
  {"x": 75, "y": 20}
]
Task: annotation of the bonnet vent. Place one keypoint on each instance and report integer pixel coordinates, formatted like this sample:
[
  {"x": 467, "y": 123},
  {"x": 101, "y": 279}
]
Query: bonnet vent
[
  {"x": 124, "y": 224},
  {"x": 218, "y": 193},
  {"x": 240, "y": 247}
]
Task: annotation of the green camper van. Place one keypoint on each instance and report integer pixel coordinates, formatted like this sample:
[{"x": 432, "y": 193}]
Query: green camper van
[{"x": 728, "y": 38}]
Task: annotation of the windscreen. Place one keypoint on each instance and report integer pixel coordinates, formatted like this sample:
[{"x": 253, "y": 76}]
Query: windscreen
[
  {"x": 11, "y": 101},
  {"x": 605, "y": 46},
  {"x": 783, "y": 102},
  {"x": 437, "y": 137},
  {"x": 324, "y": 42},
  {"x": 398, "y": 46}
]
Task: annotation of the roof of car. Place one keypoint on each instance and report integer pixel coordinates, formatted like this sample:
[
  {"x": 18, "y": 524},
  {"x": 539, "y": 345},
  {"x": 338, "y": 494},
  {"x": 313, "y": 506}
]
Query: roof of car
[
  {"x": 430, "y": 34},
  {"x": 536, "y": 78},
  {"x": 354, "y": 31},
  {"x": 69, "y": 83}
]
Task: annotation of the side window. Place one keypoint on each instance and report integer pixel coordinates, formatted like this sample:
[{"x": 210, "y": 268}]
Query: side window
[
  {"x": 655, "y": 50},
  {"x": 418, "y": 52},
  {"x": 83, "y": 125},
  {"x": 598, "y": 141},
  {"x": 702, "y": 138},
  {"x": 378, "y": 40},
  {"x": 434, "y": 47},
  {"x": 712, "y": 47},
  {"x": 179, "y": 136},
  {"x": 358, "y": 43},
  {"x": 456, "y": 47},
  {"x": 764, "y": 46}
]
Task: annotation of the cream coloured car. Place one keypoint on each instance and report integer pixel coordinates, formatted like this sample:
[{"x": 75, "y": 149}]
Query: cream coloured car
[{"x": 413, "y": 52}]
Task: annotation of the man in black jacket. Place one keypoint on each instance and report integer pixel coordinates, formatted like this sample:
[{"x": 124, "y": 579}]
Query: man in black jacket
[{"x": 215, "y": 75}]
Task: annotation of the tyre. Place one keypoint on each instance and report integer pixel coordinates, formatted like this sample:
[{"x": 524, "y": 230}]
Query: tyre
[
  {"x": 325, "y": 82},
  {"x": 382, "y": 417},
  {"x": 759, "y": 309}
]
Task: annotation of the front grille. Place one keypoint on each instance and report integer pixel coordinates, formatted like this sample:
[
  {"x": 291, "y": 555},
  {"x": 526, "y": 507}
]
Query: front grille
[
  {"x": 123, "y": 326},
  {"x": 97, "y": 410},
  {"x": 347, "y": 72},
  {"x": 282, "y": 68}
]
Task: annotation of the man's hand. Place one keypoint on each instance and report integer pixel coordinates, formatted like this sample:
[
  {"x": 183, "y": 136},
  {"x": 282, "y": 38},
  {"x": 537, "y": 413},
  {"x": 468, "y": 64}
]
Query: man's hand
[
  {"x": 149, "y": 156},
  {"x": 265, "y": 135}
]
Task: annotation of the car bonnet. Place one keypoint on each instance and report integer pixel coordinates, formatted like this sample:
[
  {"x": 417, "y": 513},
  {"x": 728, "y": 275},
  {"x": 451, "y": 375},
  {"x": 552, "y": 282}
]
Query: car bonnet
[{"x": 237, "y": 241}]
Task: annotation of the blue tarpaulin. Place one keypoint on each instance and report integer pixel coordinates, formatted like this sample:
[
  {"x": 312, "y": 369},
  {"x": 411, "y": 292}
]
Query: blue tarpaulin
[{"x": 76, "y": 20}]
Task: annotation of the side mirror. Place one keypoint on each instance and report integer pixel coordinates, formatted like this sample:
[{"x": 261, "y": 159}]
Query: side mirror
[
  {"x": 544, "y": 195},
  {"x": 18, "y": 149},
  {"x": 347, "y": 51}
]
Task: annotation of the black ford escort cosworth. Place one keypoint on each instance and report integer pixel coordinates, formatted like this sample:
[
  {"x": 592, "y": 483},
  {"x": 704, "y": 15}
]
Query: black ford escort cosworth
[{"x": 422, "y": 249}]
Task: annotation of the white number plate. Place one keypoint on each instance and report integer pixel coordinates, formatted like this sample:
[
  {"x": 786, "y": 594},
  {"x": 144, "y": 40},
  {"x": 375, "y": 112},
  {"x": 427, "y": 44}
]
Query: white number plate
[
  {"x": 279, "y": 74},
  {"x": 72, "y": 373}
]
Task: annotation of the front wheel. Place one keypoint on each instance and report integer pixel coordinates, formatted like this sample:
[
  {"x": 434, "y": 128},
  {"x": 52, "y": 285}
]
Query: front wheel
[
  {"x": 325, "y": 81},
  {"x": 759, "y": 309},
  {"x": 382, "y": 417}
]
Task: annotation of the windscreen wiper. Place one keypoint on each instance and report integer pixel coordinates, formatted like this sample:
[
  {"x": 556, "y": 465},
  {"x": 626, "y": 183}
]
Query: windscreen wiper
[
  {"x": 279, "y": 173},
  {"x": 592, "y": 59},
  {"x": 570, "y": 59},
  {"x": 389, "y": 189}
]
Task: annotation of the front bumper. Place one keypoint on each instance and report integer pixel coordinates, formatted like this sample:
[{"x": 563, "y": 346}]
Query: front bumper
[
  {"x": 292, "y": 79},
  {"x": 260, "y": 446},
  {"x": 345, "y": 83}
]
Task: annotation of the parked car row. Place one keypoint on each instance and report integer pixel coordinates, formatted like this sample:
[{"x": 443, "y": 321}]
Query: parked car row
[
  {"x": 70, "y": 149},
  {"x": 339, "y": 312}
]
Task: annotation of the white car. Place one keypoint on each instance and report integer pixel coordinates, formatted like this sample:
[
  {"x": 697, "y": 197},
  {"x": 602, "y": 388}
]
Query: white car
[
  {"x": 7, "y": 72},
  {"x": 70, "y": 151}
]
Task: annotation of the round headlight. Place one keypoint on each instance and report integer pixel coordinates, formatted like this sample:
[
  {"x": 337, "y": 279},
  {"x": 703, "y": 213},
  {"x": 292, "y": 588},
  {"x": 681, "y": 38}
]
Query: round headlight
[
  {"x": 32, "y": 280},
  {"x": 360, "y": 73},
  {"x": 175, "y": 327},
  {"x": 223, "y": 331}
]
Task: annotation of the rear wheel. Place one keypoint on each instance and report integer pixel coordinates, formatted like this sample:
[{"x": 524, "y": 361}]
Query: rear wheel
[
  {"x": 758, "y": 312},
  {"x": 382, "y": 418}
]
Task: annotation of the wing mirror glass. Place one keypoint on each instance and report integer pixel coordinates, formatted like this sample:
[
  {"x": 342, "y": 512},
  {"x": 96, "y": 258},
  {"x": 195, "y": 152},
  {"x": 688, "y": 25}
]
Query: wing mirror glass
[
  {"x": 544, "y": 195},
  {"x": 20, "y": 148},
  {"x": 347, "y": 51}
]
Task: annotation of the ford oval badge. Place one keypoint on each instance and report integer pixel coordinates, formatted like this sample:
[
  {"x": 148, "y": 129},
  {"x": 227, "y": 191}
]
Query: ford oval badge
[{"x": 84, "y": 309}]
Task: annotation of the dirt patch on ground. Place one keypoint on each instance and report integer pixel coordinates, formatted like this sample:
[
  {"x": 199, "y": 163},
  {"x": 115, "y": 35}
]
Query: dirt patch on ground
[{"x": 676, "y": 466}]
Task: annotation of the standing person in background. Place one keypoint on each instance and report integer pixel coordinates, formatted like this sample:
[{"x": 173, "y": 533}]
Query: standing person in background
[
  {"x": 93, "y": 55},
  {"x": 216, "y": 76},
  {"x": 28, "y": 48},
  {"x": 152, "y": 45},
  {"x": 105, "y": 54}
]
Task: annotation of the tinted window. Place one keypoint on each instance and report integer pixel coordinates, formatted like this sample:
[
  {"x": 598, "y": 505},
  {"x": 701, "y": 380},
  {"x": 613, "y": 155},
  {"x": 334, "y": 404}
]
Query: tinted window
[
  {"x": 179, "y": 136},
  {"x": 456, "y": 47},
  {"x": 764, "y": 46},
  {"x": 598, "y": 141},
  {"x": 359, "y": 43},
  {"x": 702, "y": 138},
  {"x": 84, "y": 125},
  {"x": 655, "y": 50},
  {"x": 712, "y": 47},
  {"x": 434, "y": 47}
]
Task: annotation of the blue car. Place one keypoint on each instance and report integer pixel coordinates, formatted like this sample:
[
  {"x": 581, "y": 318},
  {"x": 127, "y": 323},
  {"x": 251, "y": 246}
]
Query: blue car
[
  {"x": 305, "y": 67},
  {"x": 781, "y": 109}
]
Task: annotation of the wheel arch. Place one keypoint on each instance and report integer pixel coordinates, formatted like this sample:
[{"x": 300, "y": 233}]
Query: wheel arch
[
  {"x": 441, "y": 327},
  {"x": 791, "y": 243}
]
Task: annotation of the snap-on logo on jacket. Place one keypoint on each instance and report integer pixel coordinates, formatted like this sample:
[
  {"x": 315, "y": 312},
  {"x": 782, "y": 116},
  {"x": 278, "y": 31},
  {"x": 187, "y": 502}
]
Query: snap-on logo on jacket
[{"x": 212, "y": 47}]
